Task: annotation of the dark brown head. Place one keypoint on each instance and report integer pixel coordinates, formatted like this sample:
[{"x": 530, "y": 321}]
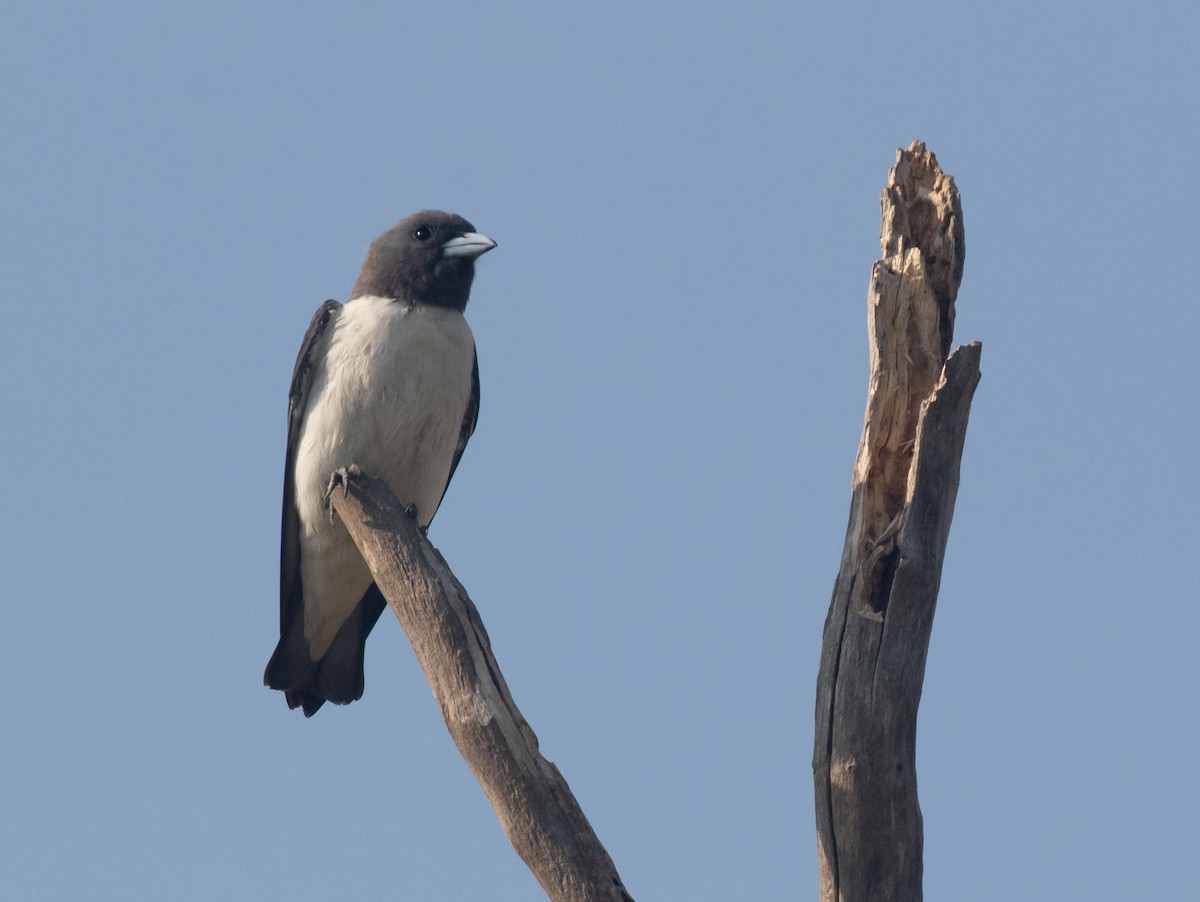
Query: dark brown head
[{"x": 426, "y": 258}]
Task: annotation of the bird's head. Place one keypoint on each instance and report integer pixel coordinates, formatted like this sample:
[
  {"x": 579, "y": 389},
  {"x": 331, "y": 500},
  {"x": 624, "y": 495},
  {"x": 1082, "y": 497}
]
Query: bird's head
[{"x": 426, "y": 258}]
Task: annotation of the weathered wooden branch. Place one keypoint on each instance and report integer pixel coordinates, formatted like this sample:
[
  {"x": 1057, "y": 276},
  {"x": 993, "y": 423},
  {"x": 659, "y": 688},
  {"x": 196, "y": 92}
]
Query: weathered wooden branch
[
  {"x": 869, "y": 831},
  {"x": 536, "y": 808}
]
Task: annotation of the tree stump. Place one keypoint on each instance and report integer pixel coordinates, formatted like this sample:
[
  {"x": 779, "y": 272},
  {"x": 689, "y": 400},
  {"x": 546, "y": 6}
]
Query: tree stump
[{"x": 869, "y": 830}]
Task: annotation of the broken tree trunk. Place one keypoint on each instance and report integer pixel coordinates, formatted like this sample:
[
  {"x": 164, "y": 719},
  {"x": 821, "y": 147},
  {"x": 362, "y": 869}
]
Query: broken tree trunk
[
  {"x": 536, "y": 808},
  {"x": 869, "y": 831}
]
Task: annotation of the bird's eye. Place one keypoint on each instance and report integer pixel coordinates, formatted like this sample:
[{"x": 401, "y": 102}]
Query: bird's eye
[{"x": 422, "y": 233}]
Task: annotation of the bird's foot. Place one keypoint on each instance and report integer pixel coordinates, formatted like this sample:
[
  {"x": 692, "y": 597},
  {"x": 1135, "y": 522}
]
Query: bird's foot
[
  {"x": 340, "y": 477},
  {"x": 411, "y": 510}
]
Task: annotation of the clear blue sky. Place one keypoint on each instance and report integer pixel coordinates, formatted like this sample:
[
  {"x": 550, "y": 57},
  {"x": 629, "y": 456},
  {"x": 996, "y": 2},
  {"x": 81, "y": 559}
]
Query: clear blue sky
[{"x": 673, "y": 351}]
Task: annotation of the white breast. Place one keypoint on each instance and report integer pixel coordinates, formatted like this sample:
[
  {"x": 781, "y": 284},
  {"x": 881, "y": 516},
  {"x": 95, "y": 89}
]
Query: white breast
[{"x": 390, "y": 396}]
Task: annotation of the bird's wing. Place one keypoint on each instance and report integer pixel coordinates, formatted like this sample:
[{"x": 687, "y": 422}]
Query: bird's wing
[
  {"x": 290, "y": 591},
  {"x": 470, "y": 418}
]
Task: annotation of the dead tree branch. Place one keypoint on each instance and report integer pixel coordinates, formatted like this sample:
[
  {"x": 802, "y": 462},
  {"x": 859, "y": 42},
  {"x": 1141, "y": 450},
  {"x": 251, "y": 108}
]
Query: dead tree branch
[
  {"x": 536, "y": 808},
  {"x": 869, "y": 830}
]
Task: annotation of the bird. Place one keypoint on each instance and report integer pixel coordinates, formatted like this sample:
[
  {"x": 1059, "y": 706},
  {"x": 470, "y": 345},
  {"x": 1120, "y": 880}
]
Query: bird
[{"x": 387, "y": 382}]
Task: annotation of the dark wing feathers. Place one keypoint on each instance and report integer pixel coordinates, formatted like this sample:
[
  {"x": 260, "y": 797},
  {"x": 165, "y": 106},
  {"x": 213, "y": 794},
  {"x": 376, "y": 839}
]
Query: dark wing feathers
[
  {"x": 470, "y": 418},
  {"x": 289, "y": 664}
]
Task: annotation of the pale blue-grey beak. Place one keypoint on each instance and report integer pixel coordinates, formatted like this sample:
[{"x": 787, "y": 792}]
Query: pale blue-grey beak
[{"x": 471, "y": 245}]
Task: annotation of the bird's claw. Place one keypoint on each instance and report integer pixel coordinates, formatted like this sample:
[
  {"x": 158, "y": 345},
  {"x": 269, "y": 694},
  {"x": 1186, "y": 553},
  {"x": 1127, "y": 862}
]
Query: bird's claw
[
  {"x": 411, "y": 510},
  {"x": 339, "y": 477}
]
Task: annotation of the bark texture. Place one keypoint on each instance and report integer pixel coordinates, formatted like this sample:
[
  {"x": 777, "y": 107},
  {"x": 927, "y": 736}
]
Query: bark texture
[
  {"x": 869, "y": 829},
  {"x": 536, "y": 808}
]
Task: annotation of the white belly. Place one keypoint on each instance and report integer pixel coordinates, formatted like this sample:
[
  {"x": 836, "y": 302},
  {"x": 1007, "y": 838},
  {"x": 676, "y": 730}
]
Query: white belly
[{"x": 389, "y": 396}]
